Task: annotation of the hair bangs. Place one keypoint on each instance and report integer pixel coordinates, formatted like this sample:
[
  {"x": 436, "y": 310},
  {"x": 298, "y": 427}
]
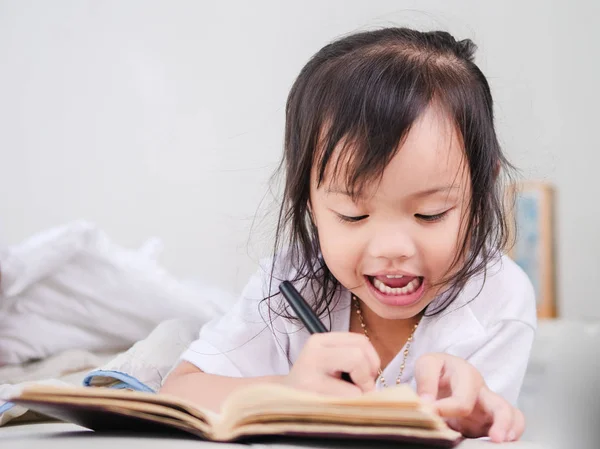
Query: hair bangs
[{"x": 366, "y": 111}]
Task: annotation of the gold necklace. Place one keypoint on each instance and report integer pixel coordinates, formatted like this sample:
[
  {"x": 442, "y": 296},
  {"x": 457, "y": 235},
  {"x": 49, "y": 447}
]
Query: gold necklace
[{"x": 406, "y": 349}]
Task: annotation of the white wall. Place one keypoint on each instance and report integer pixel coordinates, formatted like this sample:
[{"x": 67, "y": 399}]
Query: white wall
[{"x": 165, "y": 117}]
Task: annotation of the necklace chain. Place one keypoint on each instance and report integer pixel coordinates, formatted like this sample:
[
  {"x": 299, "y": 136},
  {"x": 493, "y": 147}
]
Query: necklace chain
[{"x": 406, "y": 349}]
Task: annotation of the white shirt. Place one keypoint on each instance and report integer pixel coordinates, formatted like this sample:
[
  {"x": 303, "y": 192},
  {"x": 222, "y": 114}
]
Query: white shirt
[{"x": 491, "y": 325}]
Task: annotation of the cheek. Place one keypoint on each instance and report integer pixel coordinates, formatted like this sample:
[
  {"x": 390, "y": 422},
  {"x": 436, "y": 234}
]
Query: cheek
[
  {"x": 442, "y": 246},
  {"x": 341, "y": 249}
]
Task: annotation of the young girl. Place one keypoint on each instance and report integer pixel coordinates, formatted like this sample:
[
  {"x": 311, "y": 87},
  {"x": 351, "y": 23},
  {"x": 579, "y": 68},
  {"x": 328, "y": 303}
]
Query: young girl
[{"x": 393, "y": 227}]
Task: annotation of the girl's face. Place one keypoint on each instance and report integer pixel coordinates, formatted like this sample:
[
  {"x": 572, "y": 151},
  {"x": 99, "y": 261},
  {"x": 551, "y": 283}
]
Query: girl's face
[{"x": 402, "y": 235}]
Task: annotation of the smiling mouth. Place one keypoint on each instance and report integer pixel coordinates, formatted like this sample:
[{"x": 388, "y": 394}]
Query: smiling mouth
[{"x": 396, "y": 285}]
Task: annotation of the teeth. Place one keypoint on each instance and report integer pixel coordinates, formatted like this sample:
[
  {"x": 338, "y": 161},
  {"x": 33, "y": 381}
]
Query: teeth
[
  {"x": 394, "y": 276},
  {"x": 409, "y": 288}
]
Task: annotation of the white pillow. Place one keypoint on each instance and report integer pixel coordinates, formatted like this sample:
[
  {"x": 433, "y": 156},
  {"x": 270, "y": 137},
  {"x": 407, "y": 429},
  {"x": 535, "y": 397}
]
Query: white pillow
[{"x": 71, "y": 288}]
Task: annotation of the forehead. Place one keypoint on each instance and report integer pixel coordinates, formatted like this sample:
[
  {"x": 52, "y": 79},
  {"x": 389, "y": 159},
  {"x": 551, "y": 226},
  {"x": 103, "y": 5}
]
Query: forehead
[{"x": 431, "y": 154}]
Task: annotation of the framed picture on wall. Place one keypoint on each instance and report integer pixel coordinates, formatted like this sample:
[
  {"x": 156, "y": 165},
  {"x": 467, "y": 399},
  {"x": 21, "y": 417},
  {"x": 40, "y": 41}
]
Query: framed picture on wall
[{"x": 533, "y": 248}]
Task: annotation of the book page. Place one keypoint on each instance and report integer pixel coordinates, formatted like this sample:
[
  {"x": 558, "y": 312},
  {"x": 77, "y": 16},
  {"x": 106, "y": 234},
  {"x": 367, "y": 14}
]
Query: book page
[
  {"x": 268, "y": 403},
  {"x": 442, "y": 437},
  {"x": 133, "y": 400},
  {"x": 399, "y": 396}
]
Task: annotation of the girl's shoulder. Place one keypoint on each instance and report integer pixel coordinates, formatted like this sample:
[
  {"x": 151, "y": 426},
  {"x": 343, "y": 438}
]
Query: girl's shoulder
[
  {"x": 506, "y": 293},
  {"x": 502, "y": 294}
]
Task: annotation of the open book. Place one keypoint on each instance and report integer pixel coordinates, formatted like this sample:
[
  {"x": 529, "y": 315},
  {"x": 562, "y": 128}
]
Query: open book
[{"x": 253, "y": 411}]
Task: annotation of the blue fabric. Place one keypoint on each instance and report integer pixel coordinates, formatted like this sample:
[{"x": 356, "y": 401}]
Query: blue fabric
[
  {"x": 6, "y": 407},
  {"x": 126, "y": 381}
]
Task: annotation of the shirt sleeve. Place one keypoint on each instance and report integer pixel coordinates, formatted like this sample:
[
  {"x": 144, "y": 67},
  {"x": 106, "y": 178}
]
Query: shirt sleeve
[
  {"x": 247, "y": 341},
  {"x": 501, "y": 355}
]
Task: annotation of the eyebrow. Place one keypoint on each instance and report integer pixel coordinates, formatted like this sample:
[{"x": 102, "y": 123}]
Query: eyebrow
[
  {"x": 336, "y": 191},
  {"x": 435, "y": 190},
  {"x": 420, "y": 194}
]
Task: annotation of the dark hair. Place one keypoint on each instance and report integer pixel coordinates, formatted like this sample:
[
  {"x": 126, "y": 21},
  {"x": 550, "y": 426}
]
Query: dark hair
[{"x": 369, "y": 88}]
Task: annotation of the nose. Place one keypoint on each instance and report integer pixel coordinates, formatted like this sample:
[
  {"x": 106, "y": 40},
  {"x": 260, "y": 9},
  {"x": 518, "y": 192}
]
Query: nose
[{"x": 392, "y": 241}]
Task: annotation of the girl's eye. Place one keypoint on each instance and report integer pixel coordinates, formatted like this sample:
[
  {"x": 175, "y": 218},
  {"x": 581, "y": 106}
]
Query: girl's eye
[
  {"x": 431, "y": 218},
  {"x": 347, "y": 219}
]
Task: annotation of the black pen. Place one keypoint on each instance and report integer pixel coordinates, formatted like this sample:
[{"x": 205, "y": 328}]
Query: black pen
[{"x": 304, "y": 313}]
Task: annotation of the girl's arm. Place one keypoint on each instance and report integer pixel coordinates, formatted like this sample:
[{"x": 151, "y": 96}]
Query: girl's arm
[
  {"x": 318, "y": 369},
  {"x": 207, "y": 390}
]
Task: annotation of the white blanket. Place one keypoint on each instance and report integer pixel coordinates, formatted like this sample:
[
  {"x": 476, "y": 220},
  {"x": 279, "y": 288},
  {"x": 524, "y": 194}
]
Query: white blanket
[{"x": 72, "y": 288}]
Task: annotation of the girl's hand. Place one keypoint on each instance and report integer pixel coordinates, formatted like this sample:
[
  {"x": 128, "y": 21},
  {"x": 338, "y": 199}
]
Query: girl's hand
[
  {"x": 458, "y": 393},
  {"x": 325, "y": 356}
]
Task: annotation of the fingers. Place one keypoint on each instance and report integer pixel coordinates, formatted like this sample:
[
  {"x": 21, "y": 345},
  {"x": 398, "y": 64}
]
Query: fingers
[
  {"x": 465, "y": 390},
  {"x": 345, "y": 339},
  {"x": 428, "y": 371},
  {"x": 463, "y": 381},
  {"x": 325, "y": 356},
  {"x": 458, "y": 379},
  {"x": 335, "y": 387},
  {"x": 493, "y": 416},
  {"x": 352, "y": 361},
  {"x": 501, "y": 413},
  {"x": 508, "y": 422},
  {"x": 518, "y": 426}
]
